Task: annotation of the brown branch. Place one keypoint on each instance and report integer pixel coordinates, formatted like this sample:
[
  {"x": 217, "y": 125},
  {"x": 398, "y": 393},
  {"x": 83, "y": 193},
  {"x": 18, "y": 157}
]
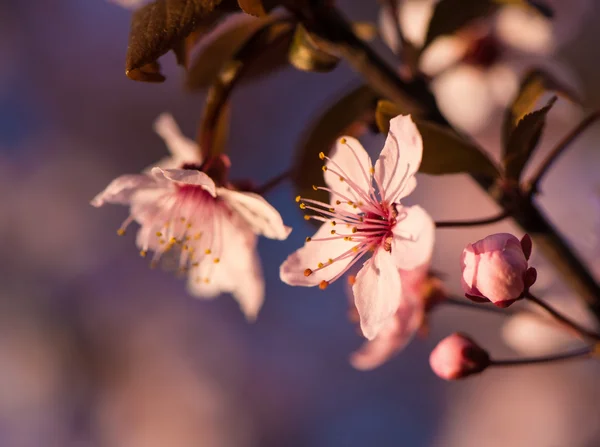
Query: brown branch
[
  {"x": 578, "y": 353},
  {"x": 474, "y": 222}
]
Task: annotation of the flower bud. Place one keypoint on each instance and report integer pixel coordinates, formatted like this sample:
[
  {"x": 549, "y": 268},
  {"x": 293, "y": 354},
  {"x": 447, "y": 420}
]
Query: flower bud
[
  {"x": 457, "y": 356},
  {"x": 495, "y": 269}
]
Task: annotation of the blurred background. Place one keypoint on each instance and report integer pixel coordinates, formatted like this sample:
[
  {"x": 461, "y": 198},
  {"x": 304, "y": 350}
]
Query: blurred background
[{"x": 98, "y": 350}]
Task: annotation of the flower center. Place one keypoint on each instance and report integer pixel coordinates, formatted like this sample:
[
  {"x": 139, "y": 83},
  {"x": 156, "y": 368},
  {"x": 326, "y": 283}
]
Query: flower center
[{"x": 484, "y": 51}]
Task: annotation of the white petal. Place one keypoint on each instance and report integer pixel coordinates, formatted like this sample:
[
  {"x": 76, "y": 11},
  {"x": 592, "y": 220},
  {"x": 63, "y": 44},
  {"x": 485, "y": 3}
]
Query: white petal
[
  {"x": 308, "y": 257},
  {"x": 238, "y": 272},
  {"x": 388, "y": 28},
  {"x": 257, "y": 212},
  {"x": 414, "y": 236},
  {"x": 400, "y": 158},
  {"x": 122, "y": 189},
  {"x": 525, "y": 30},
  {"x": 183, "y": 150},
  {"x": 191, "y": 177},
  {"x": 414, "y": 17},
  {"x": 443, "y": 53},
  {"x": 377, "y": 292},
  {"x": 349, "y": 160}
]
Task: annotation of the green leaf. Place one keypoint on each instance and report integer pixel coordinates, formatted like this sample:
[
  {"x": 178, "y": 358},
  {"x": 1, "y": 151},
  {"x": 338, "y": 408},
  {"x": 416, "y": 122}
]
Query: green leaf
[
  {"x": 306, "y": 54},
  {"x": 221, "y": 46},
  {"x": 446, "y": 152},
  {"x": 338, "y": 120},
  {"x": 159, "y": 27},
  {"x": 524, "y": 140},
  {"x": 451, "y": 15},
  {"x": 534, "y": 85}
]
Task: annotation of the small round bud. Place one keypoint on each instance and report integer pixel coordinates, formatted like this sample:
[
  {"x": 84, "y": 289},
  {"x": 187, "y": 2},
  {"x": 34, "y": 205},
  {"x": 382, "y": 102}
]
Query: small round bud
[
  {"x": 457, "y": 356},
  {"x": 495, "y": 269}
]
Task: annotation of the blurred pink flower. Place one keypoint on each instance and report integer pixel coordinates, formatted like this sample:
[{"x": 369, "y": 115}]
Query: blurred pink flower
[
  {"x": 130, "y": 4},
  {"x": 457, "y": 356},
  {"x": 365, "y": 202},
  {"x": 184, "y": 204},
  {"x": 476, "y": 71},
  {"x": 420, "y": 292},
  {"x": 495, "y": 269}
]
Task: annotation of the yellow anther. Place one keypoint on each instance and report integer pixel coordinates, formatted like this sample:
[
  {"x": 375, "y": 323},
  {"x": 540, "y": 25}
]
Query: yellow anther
[
  {"x": 323, "y": 285},
  {"x": 158, "y": 234},
  {"x": 354, "y": 229},
  {"x": 333, "y": 223},
  {"x": 331, "y": 210},
  {"x": 350, "y": 202},
  {"x": 341, "y": 179},
  {"x": 332, "y": 231},
  {"x": 362, "y": 219},
  {"x": 161, "y": 242},
  {"x": 343, "y": 140},
  {"x": 337, "y": 202},
  {"x": 120, "y": 231},
  {"x": 143, "y": 253},
  {"x": 308, "y": 239},
  {"x": 172, "y": 240},
  {"x": 324, "y": 168},
  {"x": 321, "y": 155},
  {"x": 372, "y": 170},
  {"x": 183, "y": 219},
  {"x": 298, "y": 198},
  {"x": 195, "y": 264},
  {"x": 307, "y": 272},
  {"x": 207, "y": 251},
  {"x": 351, "y": 280},
  {"x": 360, "y": 204},
  {"x": 197, "y": 236},
  {"x": 306, "y": 217},
  {"x": 185, "y": 248},
  {"x": 216, "y": 260},
  {"x": 302, "y": 206},
  {"x": 189, "y": 225},
  {"x": 354, "y": 249},
  {"x": 315, "y": 188},
  {"x": 207, "y": 280},
  {"x": 320, "y": 265},
  {"x": 330, "y": 261}
]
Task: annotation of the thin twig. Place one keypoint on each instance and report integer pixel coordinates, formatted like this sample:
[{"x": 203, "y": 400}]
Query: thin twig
[
  {"x": 483, "y": 307},
  {"x": 474, "y": 222},
  {"x": 579, "y": 353},
  {"x": 564, "y": 320},
  {"x": 559, "y": 149},
  {"x": 275, "y": 181}
]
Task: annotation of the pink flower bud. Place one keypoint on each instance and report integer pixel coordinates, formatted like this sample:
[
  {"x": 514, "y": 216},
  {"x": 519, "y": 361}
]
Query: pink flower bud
[
  {"x": 457, "y": 356},
  {"x": 495, "y": 269}
]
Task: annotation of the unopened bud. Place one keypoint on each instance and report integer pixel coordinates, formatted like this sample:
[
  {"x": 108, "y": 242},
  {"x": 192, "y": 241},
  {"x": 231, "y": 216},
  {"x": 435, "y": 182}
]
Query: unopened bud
[{"x": 457, "y": 356}]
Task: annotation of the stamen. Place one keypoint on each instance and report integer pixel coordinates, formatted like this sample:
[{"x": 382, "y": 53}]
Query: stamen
[
  {"x": 307, "y": 272},
  {"x": 323, "y": 285}
]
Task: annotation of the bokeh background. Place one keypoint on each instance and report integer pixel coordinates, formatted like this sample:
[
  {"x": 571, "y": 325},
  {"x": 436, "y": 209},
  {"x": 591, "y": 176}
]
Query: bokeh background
[{"x": 98, "y": 350}]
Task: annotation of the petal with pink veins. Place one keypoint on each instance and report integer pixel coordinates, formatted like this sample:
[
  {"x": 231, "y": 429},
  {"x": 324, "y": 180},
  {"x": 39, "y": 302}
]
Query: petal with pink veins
[
  {"x": 399, "y": 160},
  {"x": 257, "y": 212},
  {"x": 122, "y": 189},
  {"x": 292, "y": 271},
  {"x": 377, "y": 292},
  {"x": 413, "y": 238},
  {"x": 190, "y": 177}
]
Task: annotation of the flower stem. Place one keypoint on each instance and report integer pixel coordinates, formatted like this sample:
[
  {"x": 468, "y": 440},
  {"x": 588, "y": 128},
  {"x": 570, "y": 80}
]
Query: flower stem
[
  {"x": 470, "y": 223},
  {"x": 579, "y": 353},
  {"x": 564, "y": 320},
  {"x": 459, "y": 302},
  {"x": 559, "y": 149}
]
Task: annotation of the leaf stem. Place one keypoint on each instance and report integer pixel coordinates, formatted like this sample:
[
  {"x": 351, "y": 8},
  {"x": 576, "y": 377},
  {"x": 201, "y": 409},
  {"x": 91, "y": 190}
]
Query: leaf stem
[
  {"x": 470, "y": 223},
  {"x": 558, "y": 150},
  {"x": 563, "y": 319},
  {"x": 578, "y": 353}
]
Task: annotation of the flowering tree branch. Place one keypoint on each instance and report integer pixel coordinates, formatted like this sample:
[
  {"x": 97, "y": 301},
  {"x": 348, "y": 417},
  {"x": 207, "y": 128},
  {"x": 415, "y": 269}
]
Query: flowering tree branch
[
  {"x": 323, "y": 19},
  {"x": 578, "y": 353},
  {"x": 471, "y": 223}
]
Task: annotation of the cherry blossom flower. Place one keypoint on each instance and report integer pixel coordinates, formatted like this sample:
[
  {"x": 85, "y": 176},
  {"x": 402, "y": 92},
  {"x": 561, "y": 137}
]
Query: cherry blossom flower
[
  {"x": 476, "y": 71},
  {"x": 184, "y": 205},
  {"x": 365, "y": 216},
  {"x": 420, "y": 292}
]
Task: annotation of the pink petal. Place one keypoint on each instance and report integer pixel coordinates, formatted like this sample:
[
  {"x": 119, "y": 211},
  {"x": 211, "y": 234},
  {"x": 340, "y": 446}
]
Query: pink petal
[
  {"x": 191, "y": 177},
  {"x": 183, "y": 150},
  {"x": 392, "y": 338},
  {"x": 377, "y": 293},
  {"x": 414, "y": 236},
  {"x": 257, "y": 212},
  {"x": 400, "y": 159},
  {"x": 292, "y": 271},
  {"x": 349, "y": 160},
  {"x": 238, "y": 272},
  {"x": 122, "y": 189}
]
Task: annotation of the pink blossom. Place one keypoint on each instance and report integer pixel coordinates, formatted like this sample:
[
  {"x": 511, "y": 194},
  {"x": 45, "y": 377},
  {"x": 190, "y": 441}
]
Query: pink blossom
[
  {"x": 184, "y": 205},
  {"x": 495, "y": 269},
  {"x": 420, "y": 292},
  {"x": 365, "y": 216},
  {"x": 457, "y": 356}
]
